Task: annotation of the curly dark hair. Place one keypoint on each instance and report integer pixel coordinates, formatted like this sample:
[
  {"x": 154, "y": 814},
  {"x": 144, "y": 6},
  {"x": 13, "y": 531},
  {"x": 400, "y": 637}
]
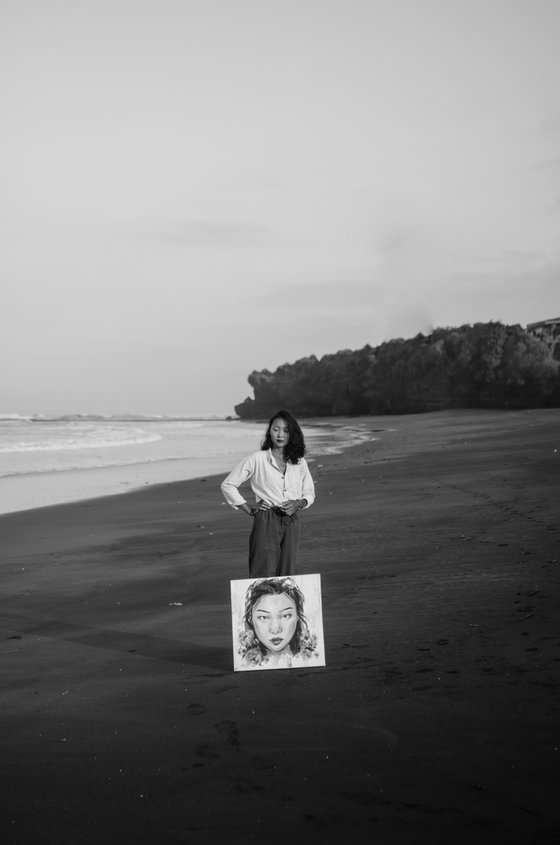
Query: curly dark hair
[
  {"x": 295, "y": 447},
  {"x": 303, "y": 641}
]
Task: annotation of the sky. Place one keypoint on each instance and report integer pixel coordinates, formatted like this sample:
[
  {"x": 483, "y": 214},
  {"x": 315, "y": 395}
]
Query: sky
[{"x": 191, "y": 190}]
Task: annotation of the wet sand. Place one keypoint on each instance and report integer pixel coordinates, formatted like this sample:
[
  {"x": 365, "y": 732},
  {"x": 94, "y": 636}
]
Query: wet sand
[{"x": 435, "y": 719}]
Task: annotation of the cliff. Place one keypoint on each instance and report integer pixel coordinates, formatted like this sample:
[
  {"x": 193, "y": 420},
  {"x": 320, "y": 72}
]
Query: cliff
[{"x": 487, "y": 365}]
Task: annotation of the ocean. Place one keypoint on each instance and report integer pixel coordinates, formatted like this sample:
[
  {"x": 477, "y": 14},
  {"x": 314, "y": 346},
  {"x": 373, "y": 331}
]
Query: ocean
[{"x": 50, "y": 460}]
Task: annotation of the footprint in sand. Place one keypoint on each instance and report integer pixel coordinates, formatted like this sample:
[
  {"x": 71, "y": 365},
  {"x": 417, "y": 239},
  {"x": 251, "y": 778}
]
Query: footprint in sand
[
  {"x": 229, "y": 729},
  {"x": 263, "y": 764},
  {"x": 206, "y": 752},
  {"x": 196, "y": 709}
]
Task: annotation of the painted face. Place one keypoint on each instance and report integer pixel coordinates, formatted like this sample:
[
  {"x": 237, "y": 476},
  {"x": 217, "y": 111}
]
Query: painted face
[
  {"x": 274, "y": 620},
  {"x": 279, "y": 433}
]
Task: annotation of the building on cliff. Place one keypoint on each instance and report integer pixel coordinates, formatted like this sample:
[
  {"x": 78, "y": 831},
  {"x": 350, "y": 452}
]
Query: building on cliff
[{"x": 549, "y": 331}]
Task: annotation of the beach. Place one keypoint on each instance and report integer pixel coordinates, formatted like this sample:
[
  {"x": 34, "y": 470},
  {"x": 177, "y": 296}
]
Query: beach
[{"x": 435, "y": 719}]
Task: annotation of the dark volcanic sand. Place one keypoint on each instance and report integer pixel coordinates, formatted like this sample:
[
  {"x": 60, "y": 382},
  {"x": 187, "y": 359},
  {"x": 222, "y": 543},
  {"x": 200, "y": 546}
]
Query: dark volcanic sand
[{"x": 436, "y": 719}]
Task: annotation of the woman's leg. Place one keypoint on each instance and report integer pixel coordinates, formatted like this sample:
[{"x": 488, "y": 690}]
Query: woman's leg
[
  {"x": 264, "y": 544},
  {"x": 289, "y": 545}
]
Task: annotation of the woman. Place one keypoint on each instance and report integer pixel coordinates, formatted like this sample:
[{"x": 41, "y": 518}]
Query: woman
[
  {"x": 282, "y": 484},
  {"x": 275, "y": 632}
]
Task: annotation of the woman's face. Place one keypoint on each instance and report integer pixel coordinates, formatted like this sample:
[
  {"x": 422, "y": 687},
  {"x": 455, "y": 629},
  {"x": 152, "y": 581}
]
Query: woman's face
[
  {"x": 274, "y": 620},
  {"x": 279, "y": 433}
]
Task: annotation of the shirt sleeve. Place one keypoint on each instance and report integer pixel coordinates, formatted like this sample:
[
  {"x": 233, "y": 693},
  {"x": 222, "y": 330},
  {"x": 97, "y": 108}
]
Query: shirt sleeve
[
  {"x": 239, "y": 474},
  {"x": 307, "y": 485}
]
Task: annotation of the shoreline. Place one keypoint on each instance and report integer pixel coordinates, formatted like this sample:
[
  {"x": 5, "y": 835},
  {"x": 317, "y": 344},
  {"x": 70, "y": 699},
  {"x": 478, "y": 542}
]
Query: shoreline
[{"x": 23, "y": 492}]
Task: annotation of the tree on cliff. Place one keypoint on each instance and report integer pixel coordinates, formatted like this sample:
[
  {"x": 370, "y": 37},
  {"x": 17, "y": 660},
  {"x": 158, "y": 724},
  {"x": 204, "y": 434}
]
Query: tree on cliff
[{"x": 487, "y": 365}]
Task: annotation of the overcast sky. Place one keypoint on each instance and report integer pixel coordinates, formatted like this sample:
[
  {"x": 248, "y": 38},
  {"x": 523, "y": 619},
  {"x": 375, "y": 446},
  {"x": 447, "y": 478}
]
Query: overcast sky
[{"x": 194, "y": 189}]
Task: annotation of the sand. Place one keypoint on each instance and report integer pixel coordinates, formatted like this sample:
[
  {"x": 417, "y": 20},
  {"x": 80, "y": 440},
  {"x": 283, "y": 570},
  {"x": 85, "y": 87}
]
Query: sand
[{"x": 435, "y": 719}]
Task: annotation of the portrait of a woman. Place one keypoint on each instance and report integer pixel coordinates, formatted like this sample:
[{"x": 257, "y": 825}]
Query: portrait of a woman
[{"x": 275, "y": 633}]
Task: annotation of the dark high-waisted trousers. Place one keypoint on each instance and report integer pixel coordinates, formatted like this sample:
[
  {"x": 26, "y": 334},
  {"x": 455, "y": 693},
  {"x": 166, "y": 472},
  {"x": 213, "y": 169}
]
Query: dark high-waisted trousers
[{"x": 273, "y": 544}]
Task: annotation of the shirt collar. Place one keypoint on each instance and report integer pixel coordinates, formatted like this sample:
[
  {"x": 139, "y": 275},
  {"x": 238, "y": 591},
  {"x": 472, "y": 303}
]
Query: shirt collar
[{"x": 271, "y": 460}]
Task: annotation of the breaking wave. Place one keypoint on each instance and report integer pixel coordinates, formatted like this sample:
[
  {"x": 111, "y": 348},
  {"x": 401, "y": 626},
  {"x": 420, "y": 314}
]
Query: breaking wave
[{"x": 79, "y": 436}]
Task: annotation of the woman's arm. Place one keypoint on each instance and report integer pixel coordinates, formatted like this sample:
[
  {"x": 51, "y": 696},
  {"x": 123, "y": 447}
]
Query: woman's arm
[
  {"x": 307, "y": 486},
  {"x": 230, "y": 485},
  {"x": 307, "y": 492}
]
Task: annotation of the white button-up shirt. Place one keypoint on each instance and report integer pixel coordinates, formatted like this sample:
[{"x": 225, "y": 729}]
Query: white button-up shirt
[{"x": 269, "y": 484}]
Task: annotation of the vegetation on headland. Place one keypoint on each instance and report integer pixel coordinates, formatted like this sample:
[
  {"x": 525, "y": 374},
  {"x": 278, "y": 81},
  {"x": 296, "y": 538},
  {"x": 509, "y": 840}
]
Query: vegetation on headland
[{"x": 486, "y": 365}]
